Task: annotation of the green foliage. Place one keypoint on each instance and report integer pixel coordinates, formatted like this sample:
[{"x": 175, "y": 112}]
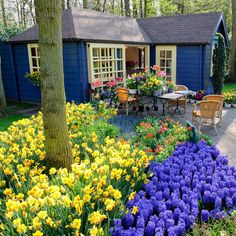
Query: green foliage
[
  {"x": 10, "y": 31},
  {"x": 219, "y": 61},
  {"x": 168, "y": 8},
  {"x": 225, "y": 227}
]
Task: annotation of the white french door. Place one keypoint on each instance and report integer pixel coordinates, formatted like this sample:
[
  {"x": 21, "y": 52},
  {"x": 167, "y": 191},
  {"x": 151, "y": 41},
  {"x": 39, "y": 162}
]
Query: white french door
[{"x": 166, "y": 59}]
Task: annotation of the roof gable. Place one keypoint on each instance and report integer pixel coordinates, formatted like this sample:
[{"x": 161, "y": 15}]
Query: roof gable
[
  {"x": 81, "y": 24},
  {"x": 87, "y": 25},
  {"x": 181, "y": 29}
]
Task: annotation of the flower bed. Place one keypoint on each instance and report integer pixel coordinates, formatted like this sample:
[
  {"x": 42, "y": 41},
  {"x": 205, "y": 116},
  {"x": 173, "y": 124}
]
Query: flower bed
[
  {"x": 83, "y": 201},
  {"x": 194, "y": 183}
]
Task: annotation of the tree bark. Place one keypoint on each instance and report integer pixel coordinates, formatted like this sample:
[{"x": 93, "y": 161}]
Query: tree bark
[
  {"x": 3, "y": 104},
  {"x": 233, "y": 50},
  {"x": 57, "y": 145},
  {"x": 127, "y": 8},
  {"x": 3, "y": 13}
]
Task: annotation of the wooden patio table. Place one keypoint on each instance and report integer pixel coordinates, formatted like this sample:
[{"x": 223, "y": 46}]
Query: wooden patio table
[{"x": 165, "y": 97}]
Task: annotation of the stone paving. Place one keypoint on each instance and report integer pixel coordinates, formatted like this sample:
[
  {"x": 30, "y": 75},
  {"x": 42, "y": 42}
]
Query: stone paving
[{"x": 225, "y": 140}]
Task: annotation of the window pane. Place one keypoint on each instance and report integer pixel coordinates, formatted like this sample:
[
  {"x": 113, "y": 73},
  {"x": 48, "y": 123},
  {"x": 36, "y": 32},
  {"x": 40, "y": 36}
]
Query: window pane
[
  {"x": 162, "y": 54},
  {"x": 35, "y": 69},
  {"x": 168, "y": 78},
  {"x": 33, "y": 52},
  {"x": 38, "y": 51},
  {"x": 162, "y": 63},
  {"x": 168, "y": 71},
  {"x": 95, "y": 52},
  {"x": 168, "y": 63},
  {"x": 34, "y": 62},
  {"x": 162, "y": 68},
  {"x": 168, "y": 54}
]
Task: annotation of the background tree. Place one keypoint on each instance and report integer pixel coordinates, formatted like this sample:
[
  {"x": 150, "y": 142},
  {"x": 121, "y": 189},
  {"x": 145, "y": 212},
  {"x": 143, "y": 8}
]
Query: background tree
[
  {"x": 57, "y": 145},
  {"x": 4, "y": 20},
  {"x": 233, "y": 50},
  {"x": 127, "y": 8},
  {"x": 219, "y": 59}
]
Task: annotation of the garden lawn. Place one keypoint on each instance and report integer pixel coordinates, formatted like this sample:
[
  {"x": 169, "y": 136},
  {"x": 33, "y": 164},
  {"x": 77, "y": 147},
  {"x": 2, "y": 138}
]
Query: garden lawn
[
  {"x": 7, "y": 121},
  {"x": 229, "y": 87}
]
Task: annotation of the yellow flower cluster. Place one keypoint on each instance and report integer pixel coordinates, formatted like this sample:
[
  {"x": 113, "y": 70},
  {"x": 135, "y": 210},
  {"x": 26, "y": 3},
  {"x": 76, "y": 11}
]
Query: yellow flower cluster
[{"x": 81, "y": 202}]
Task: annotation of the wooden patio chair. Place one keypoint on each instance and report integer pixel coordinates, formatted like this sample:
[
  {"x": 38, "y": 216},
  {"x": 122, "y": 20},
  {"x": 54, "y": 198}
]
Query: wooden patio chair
[
  {"x": 219, "y": 98},
  {"x": 125, "y": 100},
  {"x": 204, "y": 113},
  {"x": 182, "y": 101}
]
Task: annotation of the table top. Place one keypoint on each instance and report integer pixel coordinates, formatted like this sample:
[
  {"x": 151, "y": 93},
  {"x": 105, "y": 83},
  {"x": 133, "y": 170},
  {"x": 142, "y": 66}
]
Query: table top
[
  {"x": 171, "y": 96},
  {"x": 184, "y": 92}
]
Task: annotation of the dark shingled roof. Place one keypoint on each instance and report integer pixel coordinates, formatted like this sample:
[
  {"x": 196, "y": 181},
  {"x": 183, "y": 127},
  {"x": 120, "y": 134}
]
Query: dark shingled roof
[
  {"x": 87, "y": 25},
  {"x": 181, "y": 29}
]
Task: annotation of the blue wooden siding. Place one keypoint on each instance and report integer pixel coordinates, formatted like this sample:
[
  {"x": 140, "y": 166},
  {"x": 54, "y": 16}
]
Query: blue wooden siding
[
  {"x": 75, "y": 73},
  {"x": 8, "y": 73},
  {"x": 27, "y": 91},
  {"x": 190, "y": 69},
  {"x": 152, "y": 55}
]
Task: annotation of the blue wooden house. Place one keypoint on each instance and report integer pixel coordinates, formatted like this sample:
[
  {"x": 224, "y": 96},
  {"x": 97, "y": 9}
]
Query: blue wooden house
[{"x": 98, "y": 46}]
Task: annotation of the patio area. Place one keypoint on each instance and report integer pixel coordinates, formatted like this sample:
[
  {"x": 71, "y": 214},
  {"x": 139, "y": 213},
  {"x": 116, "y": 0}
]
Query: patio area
[{"x": 225, "y": 140}]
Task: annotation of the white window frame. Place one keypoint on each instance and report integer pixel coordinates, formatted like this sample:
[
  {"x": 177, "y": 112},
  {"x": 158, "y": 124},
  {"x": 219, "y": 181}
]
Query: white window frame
[
  {"x": 94, "y": 76},
  {"x": 172, "y": 48},
  {"x": 37, "y": 57}
]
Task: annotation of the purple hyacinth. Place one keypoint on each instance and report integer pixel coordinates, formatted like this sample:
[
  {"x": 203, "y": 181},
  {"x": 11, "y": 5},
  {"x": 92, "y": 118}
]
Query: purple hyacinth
[{"x": 168, "y": 204}]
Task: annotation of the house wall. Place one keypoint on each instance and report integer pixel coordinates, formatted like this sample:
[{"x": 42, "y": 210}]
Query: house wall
[
  {"x": 75, "y": 72},
  {"x": 207, "y": 68},
  {"x": 190, "y": 68},
  {"x": 8, "y": 73},
  {"x": 152, "y": 55}
]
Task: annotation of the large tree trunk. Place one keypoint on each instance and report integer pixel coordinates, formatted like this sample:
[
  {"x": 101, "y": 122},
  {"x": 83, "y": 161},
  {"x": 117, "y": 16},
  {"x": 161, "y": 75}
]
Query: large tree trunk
[
  {"x": 233, "y": 52},
  {"x": 3, "y": 13},
  {"x": 57, "y": 145},
  {"x": 3, "y": 104},
  {"x": 127, "y": 8}
]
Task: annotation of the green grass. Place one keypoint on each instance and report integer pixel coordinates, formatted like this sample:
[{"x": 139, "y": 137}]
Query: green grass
[
  {"x": 7, "y": 121},
  {"x": 13, "y": 106},
  {"x": 229, "y": 88}
]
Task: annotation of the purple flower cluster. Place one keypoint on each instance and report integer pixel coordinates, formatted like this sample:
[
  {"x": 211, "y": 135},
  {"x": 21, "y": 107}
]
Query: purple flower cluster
[{"x": 194, "y": 183}]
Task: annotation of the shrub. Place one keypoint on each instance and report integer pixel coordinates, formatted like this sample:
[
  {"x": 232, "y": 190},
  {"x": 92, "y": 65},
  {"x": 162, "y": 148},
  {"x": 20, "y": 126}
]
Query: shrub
[
  {"x": 219, "y": 61},
  {"x": 194, "y": 183}
]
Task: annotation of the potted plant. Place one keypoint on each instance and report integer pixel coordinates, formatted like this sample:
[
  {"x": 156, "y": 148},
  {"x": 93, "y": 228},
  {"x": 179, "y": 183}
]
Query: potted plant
[
  {"x": 234, "y": 101},
  {"x": 132, "y": 85},
  {"x": 34, "y": 78},
  {"x": 228, "y": 100},
  {"x": 170, "y": 86}
]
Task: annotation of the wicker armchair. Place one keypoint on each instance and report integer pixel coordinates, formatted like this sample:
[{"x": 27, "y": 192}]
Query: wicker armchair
[
  {"x": 204, "y": 113},
  {"x": 125, "y": 100},
  {"x": 182, "y": 101},
  {"x": 219, "y": 98}
]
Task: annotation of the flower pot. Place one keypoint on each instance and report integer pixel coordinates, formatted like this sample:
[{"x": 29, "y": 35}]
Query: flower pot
[
  {"x": 157, "y": 92},
  {"x": 132, "y": 91},
  {"x": 227, "y": 105},
  {"x": 233, "y": 105}
]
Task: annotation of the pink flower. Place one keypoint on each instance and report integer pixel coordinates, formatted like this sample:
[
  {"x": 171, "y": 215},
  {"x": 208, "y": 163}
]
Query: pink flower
[
  {"x": 111, "y": 84},
  {"x": 96, "y": 83},
  {"x": 162, "y": 73},
  {"x": 119, "y": 79}
]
